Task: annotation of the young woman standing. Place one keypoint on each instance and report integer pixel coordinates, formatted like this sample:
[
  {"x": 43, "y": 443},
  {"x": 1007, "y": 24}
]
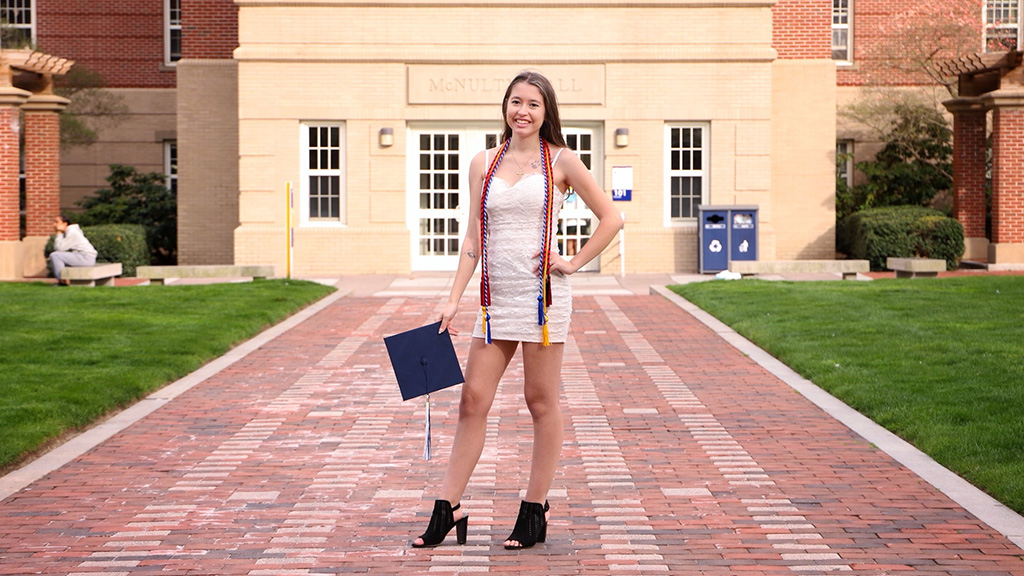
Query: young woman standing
[{"x": 516, "y": 191}]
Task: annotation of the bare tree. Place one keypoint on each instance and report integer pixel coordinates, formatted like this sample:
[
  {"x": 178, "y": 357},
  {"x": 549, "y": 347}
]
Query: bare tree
[
  {"x": 915, "y": 40},
  {"x": 92, "y": 107}
]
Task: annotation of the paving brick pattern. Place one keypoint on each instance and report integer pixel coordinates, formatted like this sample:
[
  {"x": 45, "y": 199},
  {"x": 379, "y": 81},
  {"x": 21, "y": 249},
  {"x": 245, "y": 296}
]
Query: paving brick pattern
[{"x": 681, "y": 456}]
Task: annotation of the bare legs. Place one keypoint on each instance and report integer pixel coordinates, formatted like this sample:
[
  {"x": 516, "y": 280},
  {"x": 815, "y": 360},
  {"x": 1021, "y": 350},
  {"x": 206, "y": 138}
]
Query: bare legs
[
  {"x": 484, "y": 368},
  {"x": 542, "y": 366},
  {"x": 543, "y": 371},
  {"x": 542, "y": 375}
]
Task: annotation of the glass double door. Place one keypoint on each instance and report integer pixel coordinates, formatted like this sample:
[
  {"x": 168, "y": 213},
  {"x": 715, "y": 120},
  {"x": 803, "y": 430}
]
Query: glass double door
[{"x": 438, "y": 194}]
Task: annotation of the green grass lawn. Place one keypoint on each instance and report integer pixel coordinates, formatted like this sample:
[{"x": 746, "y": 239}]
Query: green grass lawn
[
  {"x": 940, "y": 362},
  {"x": 68, "y": 356}
]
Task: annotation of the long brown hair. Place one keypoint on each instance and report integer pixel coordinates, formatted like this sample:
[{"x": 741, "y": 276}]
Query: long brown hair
[{"x": 551, "y": 130}]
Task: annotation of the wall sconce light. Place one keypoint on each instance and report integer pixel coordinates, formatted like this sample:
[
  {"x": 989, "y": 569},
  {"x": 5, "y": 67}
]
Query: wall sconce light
[
  {"x": 622, "y": 137},
  {"x": 387, "y": 137}
]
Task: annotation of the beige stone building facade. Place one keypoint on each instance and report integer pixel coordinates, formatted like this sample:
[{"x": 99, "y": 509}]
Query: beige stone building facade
[{"x": 368, "y": 116}]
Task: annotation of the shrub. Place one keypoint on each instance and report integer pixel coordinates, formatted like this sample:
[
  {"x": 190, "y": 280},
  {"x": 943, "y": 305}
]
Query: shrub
[
  {"x": 916, "y": 163},
  {"x": 137, "y": 198},
  {"x": 942, "y": 238},
  {"x": 902, "y": 232},
  {"x": 124, "y": 243}
]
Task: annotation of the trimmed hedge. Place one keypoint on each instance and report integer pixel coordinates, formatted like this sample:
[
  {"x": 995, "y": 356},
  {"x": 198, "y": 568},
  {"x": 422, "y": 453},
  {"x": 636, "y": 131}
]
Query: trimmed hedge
[
  {"x": 124, "y": 243},
  {"x": 902, "y": 232}
]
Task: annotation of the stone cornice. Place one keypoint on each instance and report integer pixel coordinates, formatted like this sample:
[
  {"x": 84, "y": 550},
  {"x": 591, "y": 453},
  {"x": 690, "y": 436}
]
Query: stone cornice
[
  {"x": 1013, "y": 98},
  {"x": 11, "y": 96},
  {"x": 957, "y": 105},
  {"x": 577, "y": 54},
  {"x": 45, "y": 103},
  {"x": 513, "y": 3}
]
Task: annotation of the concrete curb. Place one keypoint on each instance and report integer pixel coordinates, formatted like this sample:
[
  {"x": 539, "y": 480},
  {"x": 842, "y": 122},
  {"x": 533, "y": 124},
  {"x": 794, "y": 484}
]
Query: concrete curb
[
  {"x": 82, "y": 443},
  {"x": 984, "y": 507}
]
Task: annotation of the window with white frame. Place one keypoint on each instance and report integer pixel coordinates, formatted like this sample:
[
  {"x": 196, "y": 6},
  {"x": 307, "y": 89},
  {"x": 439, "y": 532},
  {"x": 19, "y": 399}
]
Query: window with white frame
[
  {"x": 17, "y": 20},
  {"x": 171, "y": 165},
  {"x": 1002, "y": 25},
  {"x": 841, "y": 16},
  {"x": 323, "y": 192},
  {"x": 172, "y": 34},
  {"x": 686, "y": 162},
  {"x": 844, "y": 162}
]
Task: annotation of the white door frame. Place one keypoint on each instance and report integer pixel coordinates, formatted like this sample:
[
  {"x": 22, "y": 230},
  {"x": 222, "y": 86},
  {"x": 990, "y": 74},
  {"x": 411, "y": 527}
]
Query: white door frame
[
  {"x": 576, "y": 221},
  {"x": 575, "y": 217}
]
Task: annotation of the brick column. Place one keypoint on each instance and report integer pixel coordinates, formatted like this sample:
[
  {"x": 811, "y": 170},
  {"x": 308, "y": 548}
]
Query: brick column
[
  {"x": 10, "y": 228},
  {"x": 969, "y": 116},
  {"x": 42, "y": 162},
  {"x": 1007, "y": 247},
  {"x": 42, "y": 177}
]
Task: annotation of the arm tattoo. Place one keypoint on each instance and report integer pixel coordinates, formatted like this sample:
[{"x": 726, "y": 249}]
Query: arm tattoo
[{"x": 471, "y": 254}]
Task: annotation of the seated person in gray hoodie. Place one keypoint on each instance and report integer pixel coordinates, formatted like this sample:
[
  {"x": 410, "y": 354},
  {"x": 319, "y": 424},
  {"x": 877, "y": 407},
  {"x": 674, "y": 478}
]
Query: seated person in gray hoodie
[{"x": 71, "y": 248}]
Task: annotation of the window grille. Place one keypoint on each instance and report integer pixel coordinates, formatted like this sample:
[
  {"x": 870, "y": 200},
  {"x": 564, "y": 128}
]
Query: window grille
[
  {"x": 1002, "y": 25},
  {"x": 439, "y": 193},
  {"x": 687, "y": 158},
  {"x": 323, "y": 171},
  {"x": 173, "y": 37},
  {"x": 171, "y": 165},
  {"x": 841, "y": 31},
  {"x": 844, "y": 161},
  {"x": 18, "y": 23}
]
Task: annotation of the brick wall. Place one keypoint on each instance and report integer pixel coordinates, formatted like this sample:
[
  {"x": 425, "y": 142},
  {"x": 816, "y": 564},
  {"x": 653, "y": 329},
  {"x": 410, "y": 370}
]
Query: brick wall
[
  {"x": 122, "y": 40},
  {"x": 1008, "y": 175},
  {"x": 207, "y": 160},
  {"x": 9, "y": 224},
  {"x": 802, "y": 29},
  {"x": 42, "y": 171},
  {"x": 969, "y": 172},
  {"x": 881, "y": 27},
  {"x": 209, "y": 28}
]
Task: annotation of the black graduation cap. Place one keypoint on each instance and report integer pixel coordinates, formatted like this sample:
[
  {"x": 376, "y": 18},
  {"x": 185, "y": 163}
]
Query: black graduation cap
[{"x": 424, "y": 361}]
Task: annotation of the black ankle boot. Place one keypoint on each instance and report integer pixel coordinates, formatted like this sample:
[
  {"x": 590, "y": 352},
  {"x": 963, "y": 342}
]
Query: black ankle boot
[
  {"x": 531, "y": 526},
  {"x": 441, "y": 523}
]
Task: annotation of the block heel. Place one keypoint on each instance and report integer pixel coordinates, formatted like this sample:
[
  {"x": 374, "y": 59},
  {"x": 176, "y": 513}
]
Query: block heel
[
  {"x": 442, "y": 520},
  {"x": 531, "y": 525}
]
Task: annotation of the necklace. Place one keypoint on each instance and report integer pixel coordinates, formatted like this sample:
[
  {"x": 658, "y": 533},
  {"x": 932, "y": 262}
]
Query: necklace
[{"x": 519, "y": 173}]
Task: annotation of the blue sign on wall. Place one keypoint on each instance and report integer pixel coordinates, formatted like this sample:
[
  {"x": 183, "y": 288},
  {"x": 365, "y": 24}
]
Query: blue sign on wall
[{"x": 622, "y": 183}]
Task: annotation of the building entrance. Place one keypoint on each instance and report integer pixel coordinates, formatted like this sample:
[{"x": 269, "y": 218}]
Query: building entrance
[{"x": 438, "y": 193}]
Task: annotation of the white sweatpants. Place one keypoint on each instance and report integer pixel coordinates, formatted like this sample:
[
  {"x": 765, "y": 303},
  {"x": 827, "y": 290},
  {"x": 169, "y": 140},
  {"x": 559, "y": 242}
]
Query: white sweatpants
[{"x": 60, "y": 259}]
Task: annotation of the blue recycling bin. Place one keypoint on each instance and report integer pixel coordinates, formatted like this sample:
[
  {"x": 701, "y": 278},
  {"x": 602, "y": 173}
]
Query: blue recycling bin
[
  {"x": 714, "y": 239},
  {"x": 743, "y": 234},
  {"x": 725, "y": 234}
]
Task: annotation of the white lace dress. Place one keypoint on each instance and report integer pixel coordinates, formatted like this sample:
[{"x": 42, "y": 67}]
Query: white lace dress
[{"x": 515, "y": 215}]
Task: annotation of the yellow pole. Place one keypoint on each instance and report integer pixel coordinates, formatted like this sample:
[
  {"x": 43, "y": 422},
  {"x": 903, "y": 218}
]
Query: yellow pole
[{"x": 288, "y": 227}]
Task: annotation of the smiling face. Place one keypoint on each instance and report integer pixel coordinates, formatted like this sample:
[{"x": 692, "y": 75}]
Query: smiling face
[{"x": 524, "y": 110}]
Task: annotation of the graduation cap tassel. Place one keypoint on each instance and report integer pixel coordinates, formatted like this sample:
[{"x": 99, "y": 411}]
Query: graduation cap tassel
[{"x": 426, "y": 442}]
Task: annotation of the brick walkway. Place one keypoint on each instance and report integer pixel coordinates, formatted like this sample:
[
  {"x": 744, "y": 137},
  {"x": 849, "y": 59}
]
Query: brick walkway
[{"x": 682, "y": 456}]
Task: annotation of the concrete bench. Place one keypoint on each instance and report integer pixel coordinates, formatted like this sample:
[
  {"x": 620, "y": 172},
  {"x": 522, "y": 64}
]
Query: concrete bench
[
  {"x": 848, "y": 268},
  {"x": 158, "y": 274},
  {"x": 916, "y": 267},
  {"x": 97, "y": 275}
]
